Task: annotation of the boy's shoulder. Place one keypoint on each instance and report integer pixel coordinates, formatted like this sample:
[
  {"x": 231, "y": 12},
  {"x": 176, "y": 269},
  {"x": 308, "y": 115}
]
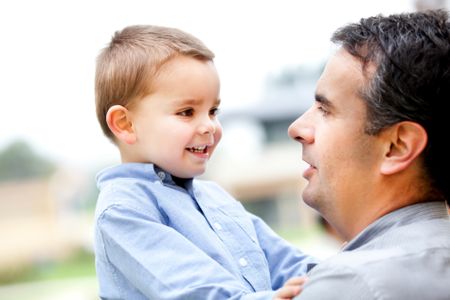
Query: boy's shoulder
[
  {"x": 127, "y": 172},
  {"x": 127, "y": 185}
]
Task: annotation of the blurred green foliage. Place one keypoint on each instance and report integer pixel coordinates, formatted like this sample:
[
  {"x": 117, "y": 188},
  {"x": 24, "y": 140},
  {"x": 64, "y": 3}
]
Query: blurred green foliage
[
  {"x": 80, "y": 264},
  {"x": 19, "y": 161}
]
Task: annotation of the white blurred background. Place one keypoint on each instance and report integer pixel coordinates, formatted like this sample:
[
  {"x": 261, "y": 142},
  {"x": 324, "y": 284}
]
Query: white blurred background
[{"x": 269, "y": 55}]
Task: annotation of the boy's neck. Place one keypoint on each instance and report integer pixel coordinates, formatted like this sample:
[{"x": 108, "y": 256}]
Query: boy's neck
[{"x": 180, "y": 181}]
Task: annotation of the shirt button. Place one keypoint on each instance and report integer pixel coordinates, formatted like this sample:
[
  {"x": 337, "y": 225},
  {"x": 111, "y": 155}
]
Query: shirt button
[
  {"x": 243, "y": 262},
  {"x": 218, "y": 226},
  {"x": 161, "y": 175}
]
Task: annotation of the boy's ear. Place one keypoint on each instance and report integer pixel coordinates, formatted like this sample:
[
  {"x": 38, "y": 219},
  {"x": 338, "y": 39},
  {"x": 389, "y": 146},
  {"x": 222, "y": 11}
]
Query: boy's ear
[
  {"x": 119, "y": 122},
  {"x": 405, "y": 142}
]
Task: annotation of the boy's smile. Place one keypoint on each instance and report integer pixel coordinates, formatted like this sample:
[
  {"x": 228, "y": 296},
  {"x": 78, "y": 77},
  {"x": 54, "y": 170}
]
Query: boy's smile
[{"x": 200, "y": 151}]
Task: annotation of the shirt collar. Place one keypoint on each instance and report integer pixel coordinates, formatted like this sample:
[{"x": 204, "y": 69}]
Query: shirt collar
[
  {"x": 400, "y": 217},
  {"x": 147, "y": 171}
]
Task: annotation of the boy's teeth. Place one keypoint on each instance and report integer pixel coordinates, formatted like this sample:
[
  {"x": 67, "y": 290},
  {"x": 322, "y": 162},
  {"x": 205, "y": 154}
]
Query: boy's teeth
[{"x": 198, "y": 149}]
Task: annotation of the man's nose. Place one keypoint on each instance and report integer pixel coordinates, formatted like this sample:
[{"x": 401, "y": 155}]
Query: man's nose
[{"x": 301, "y": 131}]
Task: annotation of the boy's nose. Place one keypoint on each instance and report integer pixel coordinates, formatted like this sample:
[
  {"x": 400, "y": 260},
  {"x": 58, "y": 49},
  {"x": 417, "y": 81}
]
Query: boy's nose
[{"x": 207, "y": 126}]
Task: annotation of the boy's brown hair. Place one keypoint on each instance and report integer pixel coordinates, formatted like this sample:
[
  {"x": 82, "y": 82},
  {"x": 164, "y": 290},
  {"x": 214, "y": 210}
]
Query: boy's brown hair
[{"x": 127, "y": 67}]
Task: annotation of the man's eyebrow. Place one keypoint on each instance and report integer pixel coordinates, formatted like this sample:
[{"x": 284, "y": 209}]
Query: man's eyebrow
[{"x": 323, "y": 100}]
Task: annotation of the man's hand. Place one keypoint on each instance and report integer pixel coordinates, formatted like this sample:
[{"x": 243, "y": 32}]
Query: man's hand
[{"x": 290, "y": 289}]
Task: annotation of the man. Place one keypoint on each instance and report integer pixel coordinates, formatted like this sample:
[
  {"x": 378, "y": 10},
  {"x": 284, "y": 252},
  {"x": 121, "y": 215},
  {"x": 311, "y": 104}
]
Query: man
[{"x": 375, "y": 141}]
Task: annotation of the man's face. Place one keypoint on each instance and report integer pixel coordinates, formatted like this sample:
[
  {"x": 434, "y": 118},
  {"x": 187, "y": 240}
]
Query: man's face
[{"x": 342, "y": 159}]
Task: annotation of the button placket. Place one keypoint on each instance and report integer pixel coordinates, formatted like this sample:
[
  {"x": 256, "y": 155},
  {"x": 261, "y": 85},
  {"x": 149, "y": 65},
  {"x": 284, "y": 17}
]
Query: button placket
[
  {"x": 243, "y": 262},
  {"x": 217, "y": 226},
  {"x": 161, "y": 175}
]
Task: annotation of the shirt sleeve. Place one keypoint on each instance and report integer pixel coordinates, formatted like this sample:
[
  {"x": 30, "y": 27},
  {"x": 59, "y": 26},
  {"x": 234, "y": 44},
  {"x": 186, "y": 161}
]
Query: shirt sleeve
[
  {"x": 161, "y": 263},
  {"x": 284, "y": 259}
]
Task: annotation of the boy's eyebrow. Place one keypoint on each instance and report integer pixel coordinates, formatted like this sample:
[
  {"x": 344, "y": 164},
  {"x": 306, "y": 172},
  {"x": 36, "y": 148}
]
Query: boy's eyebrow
[
  {"x": 195, "y": 102},
  {"x": 187, "y": 101}
]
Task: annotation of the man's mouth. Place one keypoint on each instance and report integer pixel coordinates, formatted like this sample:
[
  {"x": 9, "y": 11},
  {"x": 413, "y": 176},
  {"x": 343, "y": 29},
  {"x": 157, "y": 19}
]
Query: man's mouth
[
  {"x": 309, "y": 171},
  {"x": 307, "y": 160}
]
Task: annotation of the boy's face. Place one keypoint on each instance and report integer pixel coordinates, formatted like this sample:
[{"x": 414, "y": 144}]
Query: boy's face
[{"x": 176, "y": 125}]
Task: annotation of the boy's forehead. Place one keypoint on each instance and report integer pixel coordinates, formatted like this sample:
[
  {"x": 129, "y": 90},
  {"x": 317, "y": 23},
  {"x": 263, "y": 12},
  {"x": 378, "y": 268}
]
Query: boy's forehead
[
  {"x": 177, "y": 61},
  {"x": 193, "y": 101},
  {"x": 187, "y": 80}
]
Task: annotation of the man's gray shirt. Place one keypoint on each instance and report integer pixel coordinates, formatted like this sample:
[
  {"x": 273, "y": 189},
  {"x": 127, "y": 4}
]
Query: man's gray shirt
[{"x": 403, "y": 255}]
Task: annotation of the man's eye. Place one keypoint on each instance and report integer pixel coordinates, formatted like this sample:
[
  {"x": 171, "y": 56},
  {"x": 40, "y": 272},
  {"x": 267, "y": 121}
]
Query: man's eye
[
  {"x": 186, "y": 113},
  {"x": 214, "y": 112},
  {"x": 322, "y": 110}
]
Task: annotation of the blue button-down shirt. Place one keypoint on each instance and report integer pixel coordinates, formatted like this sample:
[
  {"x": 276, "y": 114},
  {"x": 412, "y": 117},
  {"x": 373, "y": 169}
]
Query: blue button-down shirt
[{"x": 157, "y": 240}]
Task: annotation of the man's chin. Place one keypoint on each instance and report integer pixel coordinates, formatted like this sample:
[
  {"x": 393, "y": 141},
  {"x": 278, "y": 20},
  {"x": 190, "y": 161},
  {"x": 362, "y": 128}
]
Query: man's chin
[{"x": 308, "y": 198}]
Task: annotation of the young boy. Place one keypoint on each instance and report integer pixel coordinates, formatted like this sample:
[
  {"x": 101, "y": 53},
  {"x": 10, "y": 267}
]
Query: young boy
[{"x": 160, "y": 234}]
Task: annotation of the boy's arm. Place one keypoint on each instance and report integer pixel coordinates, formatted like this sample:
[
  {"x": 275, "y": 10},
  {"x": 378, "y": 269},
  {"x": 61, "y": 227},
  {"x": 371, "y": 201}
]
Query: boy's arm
[
  {"x": 284, "y": 259},
  {"x": 161, "y": 263}
]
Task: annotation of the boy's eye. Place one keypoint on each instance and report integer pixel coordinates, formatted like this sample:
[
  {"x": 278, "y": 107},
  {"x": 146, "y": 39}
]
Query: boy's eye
[
  {"x": 186, "y": 113},
  {"x": 214, "y": 112}
]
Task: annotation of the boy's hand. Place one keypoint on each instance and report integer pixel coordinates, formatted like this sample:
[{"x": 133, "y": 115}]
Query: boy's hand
[{"x": 290, "y": 289}]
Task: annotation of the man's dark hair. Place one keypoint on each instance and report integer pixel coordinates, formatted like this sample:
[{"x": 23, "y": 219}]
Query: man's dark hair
[{"x": 411, "y": 53}]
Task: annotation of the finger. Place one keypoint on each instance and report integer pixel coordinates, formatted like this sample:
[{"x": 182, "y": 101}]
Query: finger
[
  {"x": 299, "y": 280},
  {"x": 288, "y": 292}
]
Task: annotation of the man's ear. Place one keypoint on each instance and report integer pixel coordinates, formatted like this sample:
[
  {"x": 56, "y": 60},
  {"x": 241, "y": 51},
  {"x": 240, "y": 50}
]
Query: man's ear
[
  {"x": 119, "y": 122},
  {"x": 405, "y": 142}
]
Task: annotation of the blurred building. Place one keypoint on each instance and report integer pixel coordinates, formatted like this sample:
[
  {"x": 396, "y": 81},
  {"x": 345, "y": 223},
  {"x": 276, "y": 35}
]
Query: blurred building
[
  {"x": 41, "y": 220},
  {"x": 257, "y": 162},
  {"x": 422, "y": 5}
]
